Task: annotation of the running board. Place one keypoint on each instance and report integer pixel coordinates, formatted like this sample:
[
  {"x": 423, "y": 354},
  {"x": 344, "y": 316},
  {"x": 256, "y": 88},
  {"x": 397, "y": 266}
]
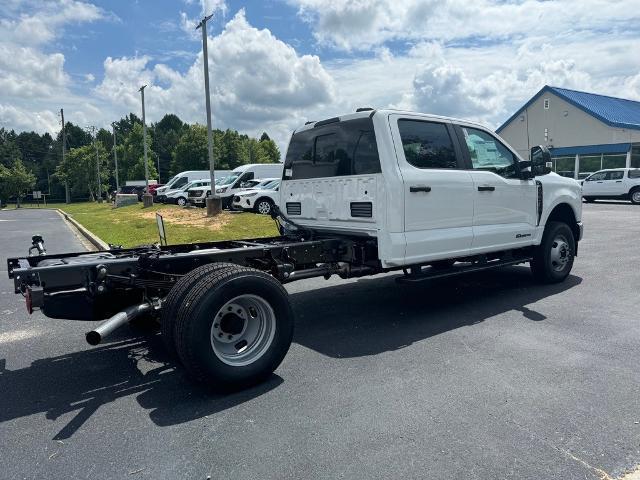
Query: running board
[{"x": 432, "y": 273}]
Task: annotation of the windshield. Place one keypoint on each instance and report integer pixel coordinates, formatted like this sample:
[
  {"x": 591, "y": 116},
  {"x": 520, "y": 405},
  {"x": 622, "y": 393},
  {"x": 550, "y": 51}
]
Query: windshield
[
  {"x": 229, "y": 180},
  {"x": 272, "y": 185}
]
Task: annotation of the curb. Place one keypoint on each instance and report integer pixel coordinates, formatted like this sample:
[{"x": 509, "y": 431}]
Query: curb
[{"x": 92, "y": 237}]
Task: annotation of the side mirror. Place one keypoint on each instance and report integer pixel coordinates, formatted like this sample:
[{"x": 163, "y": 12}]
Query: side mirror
[{"x": 541, "y": 163}]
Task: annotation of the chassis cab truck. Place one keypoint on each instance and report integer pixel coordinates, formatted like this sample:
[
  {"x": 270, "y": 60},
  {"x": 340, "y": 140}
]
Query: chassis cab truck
[{"x": 361, "y": 194}]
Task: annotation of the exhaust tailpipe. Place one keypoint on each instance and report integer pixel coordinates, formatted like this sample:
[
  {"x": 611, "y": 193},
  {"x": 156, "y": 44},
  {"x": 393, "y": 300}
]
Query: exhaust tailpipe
[{"x": 94, "y": 337}]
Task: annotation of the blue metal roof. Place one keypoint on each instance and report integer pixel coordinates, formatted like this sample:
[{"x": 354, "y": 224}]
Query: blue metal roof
[
  {"x": 615, "y": 112},
  {"x": 591, "y": 149}
]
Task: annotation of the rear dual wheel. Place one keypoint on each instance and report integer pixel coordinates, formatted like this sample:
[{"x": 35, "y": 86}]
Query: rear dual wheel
[{"x": 231, "y": 326}]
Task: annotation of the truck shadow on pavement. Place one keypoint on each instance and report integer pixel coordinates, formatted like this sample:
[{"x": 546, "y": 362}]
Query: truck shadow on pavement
[
  {"x": 365, "y": 317},
  {"x": 84, "y": 381},
  {"x": 371, "y": 316}
]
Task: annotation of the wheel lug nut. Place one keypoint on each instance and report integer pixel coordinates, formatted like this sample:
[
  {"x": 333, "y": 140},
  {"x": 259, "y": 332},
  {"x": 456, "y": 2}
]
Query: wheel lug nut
[
  {"x": 230, "y": 337},
  {"x": 220, "y": 335}
]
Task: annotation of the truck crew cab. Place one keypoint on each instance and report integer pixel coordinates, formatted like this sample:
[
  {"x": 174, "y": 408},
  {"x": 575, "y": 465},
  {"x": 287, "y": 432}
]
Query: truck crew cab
[{"x": 361, "y": 194}]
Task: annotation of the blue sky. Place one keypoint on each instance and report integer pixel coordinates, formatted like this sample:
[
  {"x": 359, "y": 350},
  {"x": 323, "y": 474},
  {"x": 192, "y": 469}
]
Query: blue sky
[{"x": 277, "y": 63}]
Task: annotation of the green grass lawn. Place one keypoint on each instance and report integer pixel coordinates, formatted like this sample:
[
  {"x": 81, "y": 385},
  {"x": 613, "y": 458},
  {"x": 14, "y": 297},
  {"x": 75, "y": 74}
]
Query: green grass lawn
[{"x": 133, "y": 225}]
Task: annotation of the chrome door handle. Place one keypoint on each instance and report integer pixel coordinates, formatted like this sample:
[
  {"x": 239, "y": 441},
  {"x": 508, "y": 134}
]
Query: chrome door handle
[
  {"x": 419, "y": 188},
  {"x": 486, "y": 188}
]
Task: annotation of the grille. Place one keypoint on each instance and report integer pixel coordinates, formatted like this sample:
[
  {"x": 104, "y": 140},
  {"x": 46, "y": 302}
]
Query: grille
[
  {"x": 294, "y": 208},
  {"x": 195, "y": 193},
  {"x": 361, "y": 209}
]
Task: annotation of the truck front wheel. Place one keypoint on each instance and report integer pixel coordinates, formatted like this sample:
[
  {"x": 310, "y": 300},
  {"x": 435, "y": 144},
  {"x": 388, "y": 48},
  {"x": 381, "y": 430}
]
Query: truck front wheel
[
  {"x": 234, "y": 327},
  {"x": 553, "y": 258}
]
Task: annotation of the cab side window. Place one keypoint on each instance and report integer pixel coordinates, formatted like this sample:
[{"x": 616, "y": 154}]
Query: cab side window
[
  {"x": 427, "y": 144},
  {"x": 597, "y": 176},
  {"x": 487, "y": 153}
]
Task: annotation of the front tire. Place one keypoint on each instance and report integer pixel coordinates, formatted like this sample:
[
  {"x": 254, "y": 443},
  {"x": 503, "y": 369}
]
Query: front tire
[
  {"x": 181, "y": 201},
  {"x": 553, "y": 258},
  {"x": 234, "y": 327},
  {"x": 264, "y": 206},
  {"x": 634, "y": 196}
]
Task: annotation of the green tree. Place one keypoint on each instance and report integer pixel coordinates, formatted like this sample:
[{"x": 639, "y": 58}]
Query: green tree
[
  {"x": 80, "y": 170},
  {"x": 166, "y": 134},
  {"x": 191, "y": 152},
  {"x": 15, "y": 181},
  {"x": 271, "y": 151},
  {"x": 131, "y": 162},
  {"x": 9, "y": 151}
]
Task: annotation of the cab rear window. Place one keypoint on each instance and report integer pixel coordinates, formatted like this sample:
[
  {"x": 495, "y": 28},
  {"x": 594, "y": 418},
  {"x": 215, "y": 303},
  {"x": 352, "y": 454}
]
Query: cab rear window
[{"x": 333, "y": 150}]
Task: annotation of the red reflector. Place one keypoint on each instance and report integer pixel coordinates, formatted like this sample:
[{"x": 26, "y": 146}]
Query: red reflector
[{"x": 27, "y": 299}]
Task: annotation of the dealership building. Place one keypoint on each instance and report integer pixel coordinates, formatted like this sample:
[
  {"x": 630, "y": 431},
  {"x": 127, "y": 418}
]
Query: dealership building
[{"x": 585, "y": 132}]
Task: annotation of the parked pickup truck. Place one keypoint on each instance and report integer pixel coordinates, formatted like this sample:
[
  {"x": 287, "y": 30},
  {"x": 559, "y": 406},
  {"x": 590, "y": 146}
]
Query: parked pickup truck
[
  {"x": 616, "y": 184},
  {"x": 361, "y": 194}
]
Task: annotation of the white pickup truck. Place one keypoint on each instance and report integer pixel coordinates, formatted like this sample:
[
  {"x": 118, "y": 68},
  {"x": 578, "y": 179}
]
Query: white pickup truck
[
  {"x": 361, "y": 194},
  {"x": 613, "y": 184}
]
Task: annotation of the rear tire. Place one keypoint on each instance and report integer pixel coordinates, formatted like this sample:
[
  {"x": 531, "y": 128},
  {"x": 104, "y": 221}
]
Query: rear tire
[
  {"x": 175, "y": 300},
  {"x": 634, "y": 196},
  {"x": 234, "y": 327},
  {"x": 553, "y": 258}
]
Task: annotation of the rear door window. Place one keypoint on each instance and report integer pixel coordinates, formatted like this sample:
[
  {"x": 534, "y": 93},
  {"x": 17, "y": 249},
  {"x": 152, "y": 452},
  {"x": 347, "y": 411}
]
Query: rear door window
[
  {"x": 615, "y": 175},
  {"x": 427, "y": 144},
  {"x": 333, "y": 150}
]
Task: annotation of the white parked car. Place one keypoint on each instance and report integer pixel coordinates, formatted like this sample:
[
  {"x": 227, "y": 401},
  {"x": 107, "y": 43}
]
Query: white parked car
[
  {"x": 179, "y": 196},
  {"x": 618, "y": 183},
  {"x": 259, "y": 200}
]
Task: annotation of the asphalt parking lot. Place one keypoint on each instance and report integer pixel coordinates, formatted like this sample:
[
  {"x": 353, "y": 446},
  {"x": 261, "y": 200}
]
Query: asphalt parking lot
[{"x": 485, "y": 376}]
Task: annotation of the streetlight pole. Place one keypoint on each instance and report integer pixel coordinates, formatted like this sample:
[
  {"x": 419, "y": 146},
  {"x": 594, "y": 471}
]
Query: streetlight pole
[
  {"x": 213, "y": 202},
  {"x": 95, "y": 144},
  {"x": 115, "y": 156},
  {"x": 67, "y": 196},
  {"x": 147, "y": 199}
]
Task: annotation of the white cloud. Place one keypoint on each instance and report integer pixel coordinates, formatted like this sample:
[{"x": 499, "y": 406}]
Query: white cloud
[
  {"x": 361, "y": 24},
  {"x": 257, "y": 82}
]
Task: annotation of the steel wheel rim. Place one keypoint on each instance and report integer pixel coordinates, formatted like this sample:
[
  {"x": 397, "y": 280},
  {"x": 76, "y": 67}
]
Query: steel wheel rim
[
  {"x": 243, "y": 330},
  {"x": 264, "y": 207},
  {"x": 560, "y": 253},
  {"x": 636, "y": 196},
  {"x": 181, "y": 202}
]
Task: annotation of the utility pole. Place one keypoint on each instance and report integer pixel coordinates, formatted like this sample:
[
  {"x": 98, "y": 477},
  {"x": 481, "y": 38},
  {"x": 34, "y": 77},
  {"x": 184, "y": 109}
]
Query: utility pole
[
  {"x": 214, "y": 204},
  {"x": 115, "y": 155},
  {"x": 95, "y": 144},
  {"x": 67, "y": 195},
  {"x": 147, "y": 199}
]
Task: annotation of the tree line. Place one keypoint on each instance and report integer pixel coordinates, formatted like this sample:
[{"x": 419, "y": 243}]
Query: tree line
[{"x": 33, "y": 161}]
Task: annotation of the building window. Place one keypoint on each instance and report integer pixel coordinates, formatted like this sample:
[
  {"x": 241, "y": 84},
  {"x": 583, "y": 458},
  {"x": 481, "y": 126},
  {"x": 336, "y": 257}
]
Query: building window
[
  {"x": 635, "y": 157},
  {"x": 546, "y": 104},
  {"x": 564, "y": 166},
  {"x": 590, "y": 164},
  {"x": 614, "y": 161}
]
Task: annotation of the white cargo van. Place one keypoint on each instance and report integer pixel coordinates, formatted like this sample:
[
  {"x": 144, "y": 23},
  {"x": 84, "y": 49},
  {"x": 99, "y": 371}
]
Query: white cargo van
[
  {"x": 182, "y": 178},
  {"x": 227, "y": 187}
]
